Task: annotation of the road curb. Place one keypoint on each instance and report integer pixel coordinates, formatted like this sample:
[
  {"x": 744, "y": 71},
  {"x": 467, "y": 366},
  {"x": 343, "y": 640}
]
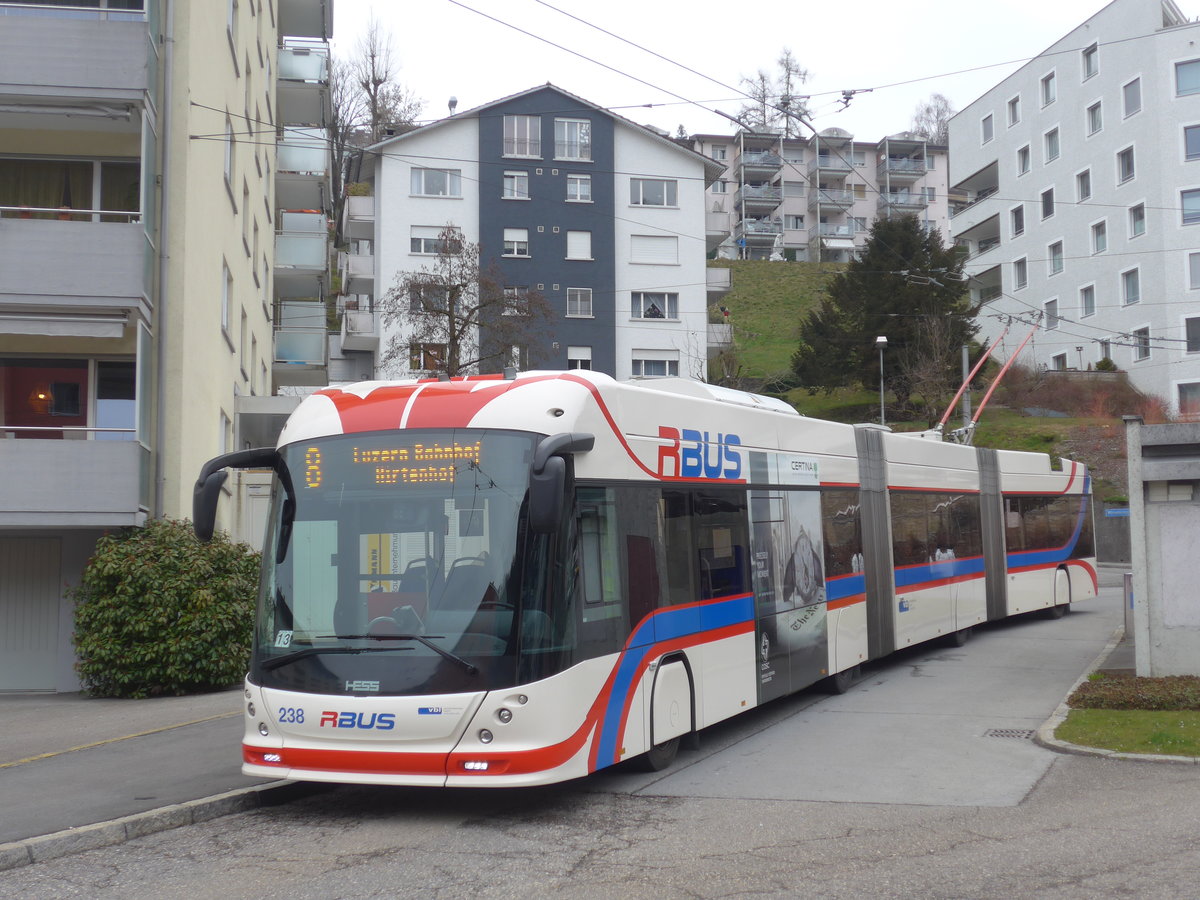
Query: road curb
[
  {"x": 15, "y": 854},
  {"x": 1044, "y": 736}
]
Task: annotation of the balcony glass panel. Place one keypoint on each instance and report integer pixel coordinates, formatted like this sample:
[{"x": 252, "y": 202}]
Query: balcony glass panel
[
  {"x": 300, "y": 250},
  {"x": 303, "y": 150},
  {"x": 114, "y": 10},
  {"x": 304, "y": 63}
]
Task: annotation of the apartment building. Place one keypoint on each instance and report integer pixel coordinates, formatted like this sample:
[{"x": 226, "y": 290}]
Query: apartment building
[
  {"x": 145, "y": 172},
  {"x": 814, "y": 198},
  {"x": 601, "y": 216},
  {"x": 1081, "y": 173}
]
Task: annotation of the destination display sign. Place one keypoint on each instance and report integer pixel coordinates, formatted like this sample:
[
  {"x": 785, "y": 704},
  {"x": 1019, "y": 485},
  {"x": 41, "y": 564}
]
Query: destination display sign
[{"x": 393, "y": 464}]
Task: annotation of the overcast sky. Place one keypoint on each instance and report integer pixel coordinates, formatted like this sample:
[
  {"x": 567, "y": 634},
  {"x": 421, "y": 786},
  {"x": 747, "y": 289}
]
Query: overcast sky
[{"x": 445, "y": 49}]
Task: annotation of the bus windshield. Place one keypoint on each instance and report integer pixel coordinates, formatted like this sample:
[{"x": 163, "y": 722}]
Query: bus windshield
[{"x": 398, "y": 563}]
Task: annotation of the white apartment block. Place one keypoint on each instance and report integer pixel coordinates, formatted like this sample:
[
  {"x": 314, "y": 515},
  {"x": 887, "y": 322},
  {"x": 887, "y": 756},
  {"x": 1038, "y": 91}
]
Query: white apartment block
[
  {"x": 152, "y": 156},
  {"x": 1081, "y": 177},
  {"x": 815, "y": 198},
  {"x": 603, "y": 217}
]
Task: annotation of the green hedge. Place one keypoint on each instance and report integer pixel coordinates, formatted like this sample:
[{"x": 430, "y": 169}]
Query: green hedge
[
  {"x": 1106, "y": 690},
  {"x": 159, "y": 613}
]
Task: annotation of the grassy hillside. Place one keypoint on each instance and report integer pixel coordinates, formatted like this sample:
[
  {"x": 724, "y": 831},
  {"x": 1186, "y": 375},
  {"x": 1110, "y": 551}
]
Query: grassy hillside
[{"x": 766, "y": 304}]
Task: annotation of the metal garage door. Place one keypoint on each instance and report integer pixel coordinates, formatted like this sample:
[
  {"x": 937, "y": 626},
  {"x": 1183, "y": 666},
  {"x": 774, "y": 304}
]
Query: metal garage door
[{"x": 29, "y": 601}]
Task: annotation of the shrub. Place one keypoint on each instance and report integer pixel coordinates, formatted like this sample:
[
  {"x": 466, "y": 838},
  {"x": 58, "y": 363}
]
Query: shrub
[
  {"x": 1115, "y": 691},
  {"x": 158, "y": 612}
]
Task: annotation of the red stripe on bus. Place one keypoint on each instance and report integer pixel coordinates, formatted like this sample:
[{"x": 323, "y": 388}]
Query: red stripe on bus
[
  {"x": 367, "y": 762},
  {"x": 843, "y": 602}
]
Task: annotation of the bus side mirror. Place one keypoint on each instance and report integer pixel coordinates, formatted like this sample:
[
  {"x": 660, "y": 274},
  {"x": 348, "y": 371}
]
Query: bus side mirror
[
  {"x": 207, "y": 490},
  {"x": 547, "y": 496}
]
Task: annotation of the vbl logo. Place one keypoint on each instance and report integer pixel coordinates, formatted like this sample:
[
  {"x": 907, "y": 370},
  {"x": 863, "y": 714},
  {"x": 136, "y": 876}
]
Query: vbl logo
[
  {"x": 691, "y": 454},
  {"x": 376, "y": 721}
]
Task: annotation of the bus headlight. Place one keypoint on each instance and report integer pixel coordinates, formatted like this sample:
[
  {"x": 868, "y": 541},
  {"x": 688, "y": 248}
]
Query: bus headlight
[
  {"x": 263, "y": 729},
  {"x": 485, "y": 736},
  {"x": 504, "y": 716},
  {"x": 250, "y": 710}
]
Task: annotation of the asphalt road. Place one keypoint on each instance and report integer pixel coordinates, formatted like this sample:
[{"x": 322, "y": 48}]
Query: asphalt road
[{"x": 921, "y": 781}]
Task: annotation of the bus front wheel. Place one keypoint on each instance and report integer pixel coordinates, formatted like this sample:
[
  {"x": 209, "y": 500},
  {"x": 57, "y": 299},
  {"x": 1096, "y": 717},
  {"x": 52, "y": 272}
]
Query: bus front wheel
[{"x": 659, "y": 756}]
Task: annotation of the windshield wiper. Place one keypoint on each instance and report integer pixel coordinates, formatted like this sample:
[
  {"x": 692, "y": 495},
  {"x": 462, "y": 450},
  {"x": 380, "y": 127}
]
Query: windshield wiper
[
  {"x": 470, "y": 668},
  {"x": 276, "y": 661}
]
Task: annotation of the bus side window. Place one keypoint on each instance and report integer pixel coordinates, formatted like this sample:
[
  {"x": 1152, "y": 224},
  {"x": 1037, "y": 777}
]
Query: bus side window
[
  {"x": 723, "y": 544},
  {"x": 598, "y": 546}
]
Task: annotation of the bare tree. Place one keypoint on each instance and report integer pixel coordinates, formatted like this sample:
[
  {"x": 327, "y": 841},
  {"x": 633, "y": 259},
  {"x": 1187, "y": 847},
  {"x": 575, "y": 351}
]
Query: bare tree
[
  {"x": 386, "y": 103},
  {"x": 348, "y": 116},
  {"x": 773, "y": 99},
  {"x": 926, "y": 365},
  {"x": 931, "y": 119},
  {"x": 458, "y": 316}
]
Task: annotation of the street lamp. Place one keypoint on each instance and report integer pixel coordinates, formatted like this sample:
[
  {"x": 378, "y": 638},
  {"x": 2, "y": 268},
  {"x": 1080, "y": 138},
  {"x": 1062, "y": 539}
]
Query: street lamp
[{"x": 881, "y": 344}]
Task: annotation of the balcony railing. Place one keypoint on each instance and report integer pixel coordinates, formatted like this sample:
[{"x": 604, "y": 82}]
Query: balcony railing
[
  {"x": 826, "y": 229},
  {"x": 69, "y": 214},
  {"x": 979, "y": 197},
  {"x": 96, "y": 483},
  {"x": 755, "y": 193},
  {"x": 768, "y": 227},
  {"x": 719, "y": 279},
  {"x": 21, "y": 10},
  {"x": 896, "y": 165},
  {"x": 832, "y": 197},
  {"x": 304, "y": 63},
  {"x": 359, "y": 331},
  {"x": 831, "y": 162},
  {"x": 987, "y": 294},
  {"x": 761, "y": 159},
  {"x": 903, "y": 200}
]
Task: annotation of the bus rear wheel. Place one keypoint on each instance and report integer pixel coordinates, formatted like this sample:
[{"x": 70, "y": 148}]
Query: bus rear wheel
[{"x": 659, "y": 756}]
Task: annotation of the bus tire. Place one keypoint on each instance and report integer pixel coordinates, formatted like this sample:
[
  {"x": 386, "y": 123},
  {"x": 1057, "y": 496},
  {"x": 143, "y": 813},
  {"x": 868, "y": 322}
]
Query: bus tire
[
  {"x": 840, "y": 682},
  {"x": 960, "y": 637},
  {"x": 1062, "y": 586},
  {"x": 659, "y": 756}
]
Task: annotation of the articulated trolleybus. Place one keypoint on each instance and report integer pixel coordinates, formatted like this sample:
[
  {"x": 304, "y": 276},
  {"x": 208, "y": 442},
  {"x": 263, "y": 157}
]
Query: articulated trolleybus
[{"x": 499, "y": 582}]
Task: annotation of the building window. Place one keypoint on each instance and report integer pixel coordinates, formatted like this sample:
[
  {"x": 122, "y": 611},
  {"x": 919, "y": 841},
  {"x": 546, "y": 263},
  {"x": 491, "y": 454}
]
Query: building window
[
  {"x": 654, "y": 249},
  {"x": 579, "y": 357},
  {"x": 1058, "y": 362},
  {"x": 516, "y": 186},
  {"x": 1047, "y": 203},
  {"x": 653, "y": 192},
  {"x": 720, "y": 187},
  {"x": 718, "y": 153},
  {"x": 1095, "y": 118},
  {"x": 1023, "y": 160},
  {"x": 572, "y": 139},
  {"x": 1193, "y": 271},
  {"x": 226, "y": 296},
  {"x": 1105, "y": 349},
  {"x": 1091, "y": 61},
  {"x": 1187, "y": 77},
  {"x": 1014, "y": 110},
  {"x": 1137, "y": 220},
  {"x": 1125, "y": 168},
  {"x": 1099, "y": 237},
  {"x": 1191, "y": 330},
  {"x": 653, "y": 305},
  {"x": 523, "y": 136},
  {"x": 1018, "y": 220},
  {"x": 1051, "y": 138},
  {"x": 579, "y": 303},
  {"x": 516, "y": 301},
  {"x": 426, "y": 357},
  {"x": 655, "y": 368},
  {"x": 1050, "y": 307},
  {"x": 579, "y": 245},
  {"x": 428, "y": 240},
  {"x": 1190, "y": 202},
  {"x": 579, "y": 188},
  {"x": 1141, "y": 344},
  {"x": 1131, "y": 97},
  {"x": 229, "y": 153},
  {"x": 1191, "y": 142},
  {"x": 1087, "y": 301},
  {"x": 1131, "y": 287},
  {"x": 1189, "y": 400},
  {"x": 516, "y": 241},
  {"x": 436, "y": 183},
  {"x": 793, "y": 222},
  {"x": 1049, "y": 90},
  {"x": 986, "y": 128},
  {"x": 1083, "y": 184},
  {"x": 1020, "y": 274},
  {"x": 1056, "y": 257},
  {"x": 428, "y": 298}
]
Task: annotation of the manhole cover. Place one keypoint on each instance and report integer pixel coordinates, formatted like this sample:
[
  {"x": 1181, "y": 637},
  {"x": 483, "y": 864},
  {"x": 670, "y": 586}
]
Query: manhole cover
[{"x": 1019, "y": 733}]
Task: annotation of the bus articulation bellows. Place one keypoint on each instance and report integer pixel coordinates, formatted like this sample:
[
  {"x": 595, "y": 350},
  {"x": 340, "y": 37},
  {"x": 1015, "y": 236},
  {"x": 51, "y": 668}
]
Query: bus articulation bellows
[{"x": 498, "y": 582}]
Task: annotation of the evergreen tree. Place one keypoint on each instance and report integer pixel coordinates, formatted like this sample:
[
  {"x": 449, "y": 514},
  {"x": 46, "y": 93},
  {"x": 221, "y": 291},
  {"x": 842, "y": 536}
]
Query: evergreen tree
[{"x": 907, "y": 286}]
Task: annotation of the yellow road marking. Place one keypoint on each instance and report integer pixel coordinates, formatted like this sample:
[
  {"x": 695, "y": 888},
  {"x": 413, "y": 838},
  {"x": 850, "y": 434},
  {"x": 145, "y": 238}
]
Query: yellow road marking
[{"x": 115, "y": 740}]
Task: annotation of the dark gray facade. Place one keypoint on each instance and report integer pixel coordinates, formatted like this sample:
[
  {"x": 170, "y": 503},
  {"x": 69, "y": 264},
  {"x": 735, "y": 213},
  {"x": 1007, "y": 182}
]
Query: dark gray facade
[{"x": 547, "y": 215}]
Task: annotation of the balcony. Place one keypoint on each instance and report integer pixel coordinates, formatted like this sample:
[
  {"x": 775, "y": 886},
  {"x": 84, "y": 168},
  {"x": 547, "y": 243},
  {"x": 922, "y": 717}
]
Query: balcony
[
  {"x": 358, "y": 273},
  {"x": 76, "y": 54},
  {"x": 979, "y": 239},
  {"x": 974, "y": 189},
  {"x": 720, "y": 339},
  {"x": 359, "y": 331},
  {"x": 901, "y": 168},
  {"x": 832, "y": 236},
  {"x": 841, "y": 199},
  {"x": 758, "y": 199},
  {"x": 986, "y": 286},
  {"x": 72, "y": 267},
  {"x": 302, "y": 176},
  {"x": 301, "y": 255},
  {"x": 903, "y": 201},
  {"x": 303, "y": 86},
  {"x": 759, "y": 232},
  {"x": 830, "y": 164},
  {"x": 97, "y": 483},
  {"x": 760, "y": 163},
  {"x": 306, "y": 18},
  {"x": 719, "y": 280},
  {"x": 301, "y": 345},
  {"x": 717, "y": 227},
  {"x": 358, "y": 219}
]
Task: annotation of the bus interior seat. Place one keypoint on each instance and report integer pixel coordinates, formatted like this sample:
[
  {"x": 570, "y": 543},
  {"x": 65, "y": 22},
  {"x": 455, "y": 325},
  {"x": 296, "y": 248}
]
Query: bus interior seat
[{"x": 465, "y": 585}]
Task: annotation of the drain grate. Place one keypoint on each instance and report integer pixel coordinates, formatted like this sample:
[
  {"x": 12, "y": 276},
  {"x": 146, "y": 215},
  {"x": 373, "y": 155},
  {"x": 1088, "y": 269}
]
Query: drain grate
[{"x": 1023, "y": 734}]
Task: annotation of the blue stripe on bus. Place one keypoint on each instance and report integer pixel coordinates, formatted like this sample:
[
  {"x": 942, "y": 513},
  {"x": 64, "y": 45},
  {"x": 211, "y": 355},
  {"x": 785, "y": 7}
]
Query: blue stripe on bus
[
  {"x": 664, "y": 624},
  {"x": 1033, "y": 559},
  {"x": 946, "y": 570}
]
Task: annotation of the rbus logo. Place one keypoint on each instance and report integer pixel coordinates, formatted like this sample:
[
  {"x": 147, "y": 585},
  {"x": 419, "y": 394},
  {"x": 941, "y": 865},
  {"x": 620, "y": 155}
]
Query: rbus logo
[
  {"x": 376, "y": 721},
  {"x": 693, "y": 454}
]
